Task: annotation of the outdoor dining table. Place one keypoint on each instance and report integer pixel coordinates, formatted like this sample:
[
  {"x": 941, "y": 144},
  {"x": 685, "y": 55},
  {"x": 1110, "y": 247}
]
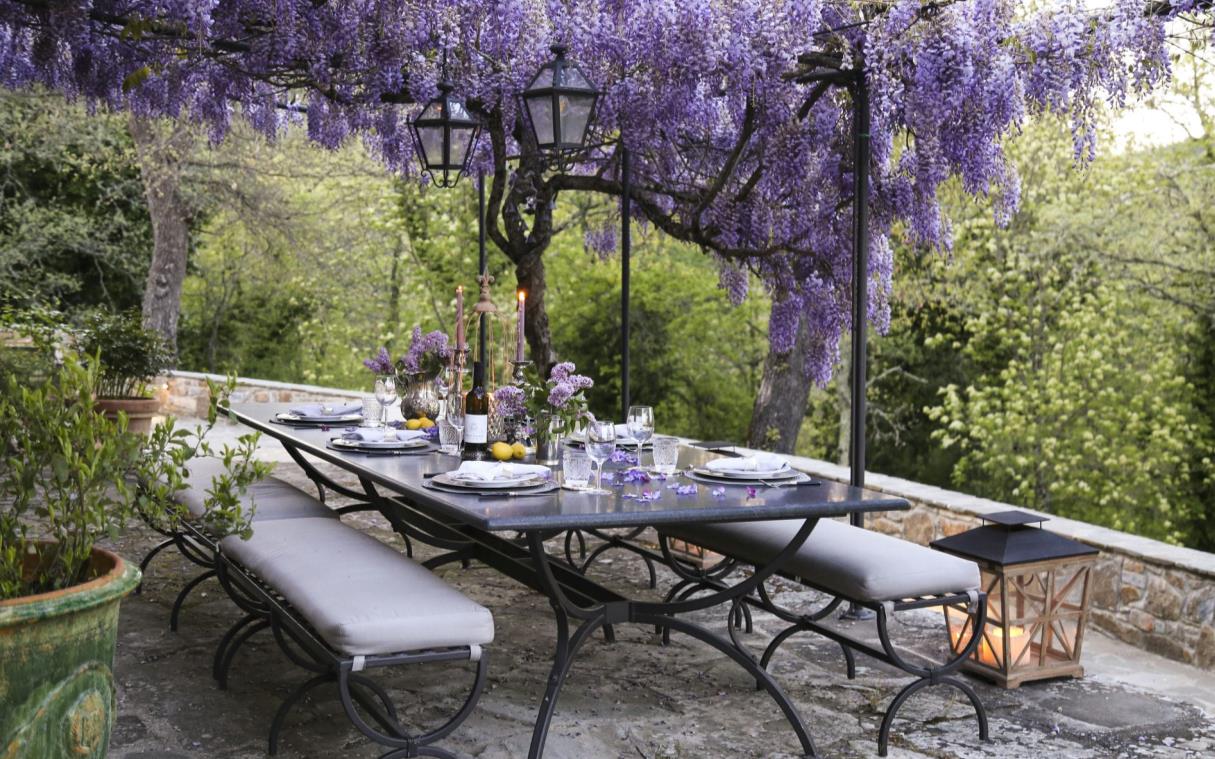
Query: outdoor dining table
[{"x": 508, "y": 534}]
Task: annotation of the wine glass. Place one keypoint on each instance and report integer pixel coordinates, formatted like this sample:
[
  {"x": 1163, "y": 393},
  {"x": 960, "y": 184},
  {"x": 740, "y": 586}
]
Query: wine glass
[
  {"x": 453, "y": 421},
  {"x": 600, "y": 445},
  {"x": 386, "y": 394},
  {"x": 445, "y": 382},
  {"x": 640, "y": 423}
]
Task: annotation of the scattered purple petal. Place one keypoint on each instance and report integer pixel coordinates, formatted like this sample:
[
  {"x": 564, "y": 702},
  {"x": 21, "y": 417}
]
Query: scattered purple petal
[
  {"x": 636, "y": 475},
  {"x": 650, "y": 495},
  {"x": 685, "y": 490},
  {"x": 718, "y": 492},
  {"x": 623, "y": 457},
  {"x": 751, "y": 492}
]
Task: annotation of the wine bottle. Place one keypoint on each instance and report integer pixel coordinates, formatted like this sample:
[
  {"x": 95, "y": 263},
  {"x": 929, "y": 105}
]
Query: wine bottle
[{"x": 476, "y": 417}]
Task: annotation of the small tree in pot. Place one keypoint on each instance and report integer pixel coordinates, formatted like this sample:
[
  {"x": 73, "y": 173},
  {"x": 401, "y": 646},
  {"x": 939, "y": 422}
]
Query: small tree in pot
[
  {"x": 70, "y": 477},
  {"x": 130, "y": 356}
]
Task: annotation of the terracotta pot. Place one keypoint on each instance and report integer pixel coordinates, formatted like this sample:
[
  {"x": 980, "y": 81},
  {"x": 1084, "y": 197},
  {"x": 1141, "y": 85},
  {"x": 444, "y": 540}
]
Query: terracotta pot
[
  {"x": 139, "y": 411},
  {"x": 56, "y": 655}
]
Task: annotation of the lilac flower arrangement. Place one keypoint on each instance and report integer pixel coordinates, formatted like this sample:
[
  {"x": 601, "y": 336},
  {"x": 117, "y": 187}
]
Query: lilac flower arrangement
[
  {"x": 380, "y": 363},
  {"x": 561, "y": 398},
  {"x": 427, "y": 353},
  {"x": 510, "y": 402}
]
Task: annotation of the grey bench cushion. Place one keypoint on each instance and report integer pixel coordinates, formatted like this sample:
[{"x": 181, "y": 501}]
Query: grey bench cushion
[
  {"x": 272, "y": 498},
  {"x": 850, "y": 561},
  {"x": 361, "y": 596}
]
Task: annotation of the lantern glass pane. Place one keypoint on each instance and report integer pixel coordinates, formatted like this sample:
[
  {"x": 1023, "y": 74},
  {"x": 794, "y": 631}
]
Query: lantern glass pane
[
  {"x": 543, "y": 79},
  {"x": 461, "y": 140},
  {"x": 540, "y": 108},
  {"x": 575, "y": 114},
  {"x": 431, "y": 138},
  {"x": 574, "y": 78},
  {"x": 457, "y": 110},
  {"x": 433, "y": 110}
]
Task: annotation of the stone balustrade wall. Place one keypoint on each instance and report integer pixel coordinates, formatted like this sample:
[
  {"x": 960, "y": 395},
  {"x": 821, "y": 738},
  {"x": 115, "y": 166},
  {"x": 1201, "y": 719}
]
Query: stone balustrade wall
[{"x": 1150, "y": 594}]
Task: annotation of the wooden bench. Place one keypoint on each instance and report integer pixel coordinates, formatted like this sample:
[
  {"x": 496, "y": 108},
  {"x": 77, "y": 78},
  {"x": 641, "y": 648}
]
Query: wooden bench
[
  {"x": 271, "y": 499},
  {"x": 340, "y": 602},
  {"x": 850, "y": 564}
]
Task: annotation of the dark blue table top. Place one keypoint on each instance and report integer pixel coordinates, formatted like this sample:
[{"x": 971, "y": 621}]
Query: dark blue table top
[{"x": 564, "y": 509}]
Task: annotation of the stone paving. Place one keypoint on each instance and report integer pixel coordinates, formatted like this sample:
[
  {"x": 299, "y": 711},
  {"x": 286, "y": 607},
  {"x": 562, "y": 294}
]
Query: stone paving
[{"x": 633, "y": 698}]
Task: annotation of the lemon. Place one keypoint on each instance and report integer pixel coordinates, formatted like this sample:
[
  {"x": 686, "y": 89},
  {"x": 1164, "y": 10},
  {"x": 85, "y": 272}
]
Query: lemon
[
  {"x": 502, "y": 451},
  {"x": 412, "y": 424},
  {"x": 425, "y": 423},
  {"x": 518, "y": 450}
]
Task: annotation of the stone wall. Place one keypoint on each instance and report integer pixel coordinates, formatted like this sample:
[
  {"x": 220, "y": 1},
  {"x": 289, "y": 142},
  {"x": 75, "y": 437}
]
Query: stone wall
[
  {"x": 1155, "y": 596},
  {"x": 186, "y": 393},
  {"x": 1150, "y": 594}
]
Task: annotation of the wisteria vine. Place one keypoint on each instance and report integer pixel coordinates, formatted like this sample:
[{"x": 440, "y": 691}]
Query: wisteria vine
[{"x": 726, "y": 152}]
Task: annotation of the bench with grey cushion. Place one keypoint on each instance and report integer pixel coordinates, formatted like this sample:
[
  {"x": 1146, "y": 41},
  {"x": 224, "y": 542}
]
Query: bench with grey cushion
[
  {"x": 341, "y": 602},
  {"x": 858, "y": 566},
  {"x": 269, "y": 499}
]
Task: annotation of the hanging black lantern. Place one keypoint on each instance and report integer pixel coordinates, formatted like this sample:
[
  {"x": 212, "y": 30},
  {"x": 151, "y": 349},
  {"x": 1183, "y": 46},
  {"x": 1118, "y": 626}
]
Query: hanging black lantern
[
  {"x": 560, "y": 103},
  {"x": 445, "y": 134}
]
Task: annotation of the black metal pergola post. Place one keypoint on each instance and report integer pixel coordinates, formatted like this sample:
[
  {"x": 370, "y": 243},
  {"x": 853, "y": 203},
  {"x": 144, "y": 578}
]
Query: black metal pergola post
[
  {"x": 626, "y": 249},
  {"x": 860, "y": 280}
]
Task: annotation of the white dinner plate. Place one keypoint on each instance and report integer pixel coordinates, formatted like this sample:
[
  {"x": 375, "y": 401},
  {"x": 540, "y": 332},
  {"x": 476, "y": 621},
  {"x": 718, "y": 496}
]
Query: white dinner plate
[
  {"x": 330, "y": 419},
  {"x": 772, "y": 474},
  {"x": 522, "y": 481},
  {"x": 379, "y": 445}
]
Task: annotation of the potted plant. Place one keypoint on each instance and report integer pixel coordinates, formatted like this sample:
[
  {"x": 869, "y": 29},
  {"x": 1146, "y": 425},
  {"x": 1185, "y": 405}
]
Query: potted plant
[
  {"x": 130, "y": 356},
  {"x": 70, "y": 477}
]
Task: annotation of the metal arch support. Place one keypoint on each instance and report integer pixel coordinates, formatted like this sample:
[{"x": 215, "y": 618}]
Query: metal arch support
[
  {"x": 175, "y": 614},
  {"x": 662, "y": 616}
]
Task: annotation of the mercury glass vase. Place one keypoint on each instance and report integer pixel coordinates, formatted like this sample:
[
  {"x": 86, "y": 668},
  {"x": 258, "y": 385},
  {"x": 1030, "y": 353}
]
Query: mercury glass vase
[
  {"x": 548, "y": 441},
  {"x": 419, "y": 397}
]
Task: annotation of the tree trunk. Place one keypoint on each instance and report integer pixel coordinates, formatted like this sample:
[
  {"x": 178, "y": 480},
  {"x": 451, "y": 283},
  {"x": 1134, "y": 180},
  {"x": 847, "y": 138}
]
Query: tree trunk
[
  {"x": 160, "y": 159},
  {"x": 394, "y": 294},
  {"x": 529, "y": 271},
  {"x": 843, "y": 399},
  {"x": 780, "y": 405}
]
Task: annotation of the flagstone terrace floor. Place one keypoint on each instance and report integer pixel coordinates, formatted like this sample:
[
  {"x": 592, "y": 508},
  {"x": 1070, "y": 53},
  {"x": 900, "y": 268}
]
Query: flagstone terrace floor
[{"x": 631, "y": 698}]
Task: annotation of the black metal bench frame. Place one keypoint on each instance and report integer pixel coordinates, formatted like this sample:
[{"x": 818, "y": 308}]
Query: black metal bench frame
[
  {"x": 265, "y": 608},
  {"x": 973, "y": 603}
]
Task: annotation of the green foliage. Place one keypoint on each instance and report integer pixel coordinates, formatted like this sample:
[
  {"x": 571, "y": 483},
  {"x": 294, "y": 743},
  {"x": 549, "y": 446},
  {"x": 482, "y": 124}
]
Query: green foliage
[
  {"x": 695, "y": 358},
  {"x": 73, "y": 224},
  {"x": 130, "y": 355},
  {"x": 72, "y": 477}
]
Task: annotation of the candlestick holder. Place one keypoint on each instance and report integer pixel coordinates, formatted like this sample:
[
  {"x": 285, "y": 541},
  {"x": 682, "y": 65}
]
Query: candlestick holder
[{"x": 517, "y": 375}]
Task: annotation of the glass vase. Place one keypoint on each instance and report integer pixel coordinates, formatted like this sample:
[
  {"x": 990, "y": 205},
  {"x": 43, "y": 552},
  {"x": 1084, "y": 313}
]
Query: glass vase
[
  {"x": 548, "y": 440},
  {"x": 419, "y": 397}
]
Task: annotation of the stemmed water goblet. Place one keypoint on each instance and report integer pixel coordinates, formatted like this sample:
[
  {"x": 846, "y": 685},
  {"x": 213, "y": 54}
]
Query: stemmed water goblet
[
  {"x": 600, "y": 445},
  {"x": 386, "y": 394},
  {"x": 445, "y": 382},
  {"x": 640, "y": 424}
]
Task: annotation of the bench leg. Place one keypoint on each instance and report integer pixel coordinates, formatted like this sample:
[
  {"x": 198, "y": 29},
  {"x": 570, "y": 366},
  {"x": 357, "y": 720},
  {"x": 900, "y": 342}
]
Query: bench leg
[
  {"x": 910, "y": 688},
  {"x": 143, "y": 565},
  {"x": 225, "y": 641},
  {"x": 226, "y": 662},
  {"x": 280, "y": 716},
  {"x": 175, "y": 615}
]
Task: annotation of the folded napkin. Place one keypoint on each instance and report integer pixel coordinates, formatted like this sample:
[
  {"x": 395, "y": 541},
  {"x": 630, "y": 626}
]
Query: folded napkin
[
  {"x": 487, "y": 471},
  {"x": 760, "y": 462},
  {"x": 318, "y": 409},
  {"x": 383, "y": 435}
]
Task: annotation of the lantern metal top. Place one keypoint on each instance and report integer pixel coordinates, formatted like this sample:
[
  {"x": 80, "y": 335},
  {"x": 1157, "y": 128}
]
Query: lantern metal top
[
  {"x": 560, "y": 104},
  {"x": 445, "y": 134},
  {"x": 1010, "y": 540}
]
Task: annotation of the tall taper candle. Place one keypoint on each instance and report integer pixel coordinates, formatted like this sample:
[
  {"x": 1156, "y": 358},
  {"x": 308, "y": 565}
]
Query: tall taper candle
[
  {"x": 519, "y": 328},
  {"x": 460, "y": 318}
]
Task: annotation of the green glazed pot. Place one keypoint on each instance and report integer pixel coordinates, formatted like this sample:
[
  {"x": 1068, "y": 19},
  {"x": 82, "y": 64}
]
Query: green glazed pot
[{"x": 56, "y": 653}]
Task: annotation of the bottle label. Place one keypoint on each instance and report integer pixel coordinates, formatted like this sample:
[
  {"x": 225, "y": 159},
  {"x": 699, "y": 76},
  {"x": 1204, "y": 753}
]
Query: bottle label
[{"x": 476, "y": 428}]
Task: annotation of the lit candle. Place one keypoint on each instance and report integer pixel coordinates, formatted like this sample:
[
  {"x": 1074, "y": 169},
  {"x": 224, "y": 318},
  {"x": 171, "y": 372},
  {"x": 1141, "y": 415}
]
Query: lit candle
[
  {"x": 990, "y": 650},
  {"x": 519, "y": 328},
  {"x": 460, "y": 318}
]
